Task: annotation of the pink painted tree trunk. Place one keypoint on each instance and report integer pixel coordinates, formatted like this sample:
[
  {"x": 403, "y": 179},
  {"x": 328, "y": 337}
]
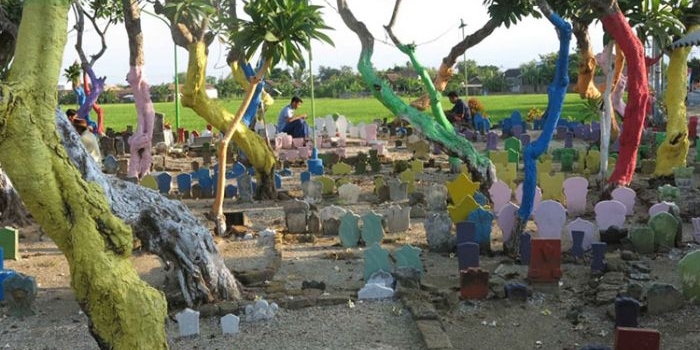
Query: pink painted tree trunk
[{"x": 140, "y": 142}]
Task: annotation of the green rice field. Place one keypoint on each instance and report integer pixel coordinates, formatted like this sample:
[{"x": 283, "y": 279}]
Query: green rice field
[{"x": 118, "y": 116}]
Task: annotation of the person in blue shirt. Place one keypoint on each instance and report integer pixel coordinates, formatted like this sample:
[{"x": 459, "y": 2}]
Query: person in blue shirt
[
  {"x": 287, "y": 122},
  {"x": 459, "y": 114}
]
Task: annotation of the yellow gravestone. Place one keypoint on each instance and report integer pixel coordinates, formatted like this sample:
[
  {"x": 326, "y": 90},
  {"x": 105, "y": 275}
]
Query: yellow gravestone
[
  {"x": 552, "y": 187},
  {"x": 461, "y": 187}
]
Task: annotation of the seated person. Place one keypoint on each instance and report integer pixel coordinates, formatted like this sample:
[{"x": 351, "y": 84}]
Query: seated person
[
  {"x": 459, "y": 114},
  {"x": 71, "y": 114},
  {"x": 290, "y": 124},
  {"x": 89, "y": 140},
  {"x": 207, "y": 131}
]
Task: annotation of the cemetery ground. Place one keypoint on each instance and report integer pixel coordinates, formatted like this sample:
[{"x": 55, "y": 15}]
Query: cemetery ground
[{"x": 579, "y": 310}]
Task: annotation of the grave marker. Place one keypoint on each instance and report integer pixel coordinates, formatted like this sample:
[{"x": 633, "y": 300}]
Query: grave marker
[
  {"x": 462, "y": 210},
  {"x": 296, "y": 216},
  {"x": 589, "y": 232},
  {"x": 506, "y": 220},
  {"x": 500, "y": 195},
  {"x": 164, "y": 182},
  {"x": 188, "y": 322},
  {"x": 9, "y": 242},
  {"x": 626, "y": 196},
  {"x": 376, "y": 259},
  {"x": 149, "y": 181},
  {"x": 398, "y": 219},
  {"x": 349, "y": 193},
  {"x": 372, "y": 230},
  {"x": 468, "y": 255},
  {"x": 550, "y": 217},
  {"x": 474, "y": 283},
  {"x": 665, "y": 227},
  {"x": 552, "y": 186},
  {"x": 349, "y": 230},
  {"x": 637, "y": 339},
  {"x": 576, "y": 190},
  {"x": 409, "y": 256},
  {"x": 229, "y": 324},
  {"x": 610, "y": 213},
  {"x": 483, "y": 221},
  {"x": 545, "y": 260},
  {"x": 598, "y": 259}
]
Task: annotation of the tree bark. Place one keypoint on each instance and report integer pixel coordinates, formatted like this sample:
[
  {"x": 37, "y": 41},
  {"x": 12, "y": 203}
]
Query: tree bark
[
  {"x": 124, "y": 311},
  {"x": 140, "y": 142},
  {"x": 480, "y": 167},
  {"x": 12, "y": 210},
  {"x": 194, "y": 96},
  {"x": 674, "y": 150}
]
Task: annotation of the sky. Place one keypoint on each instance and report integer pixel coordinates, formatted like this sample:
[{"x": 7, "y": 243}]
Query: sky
[{"x": 433, "y": 26}]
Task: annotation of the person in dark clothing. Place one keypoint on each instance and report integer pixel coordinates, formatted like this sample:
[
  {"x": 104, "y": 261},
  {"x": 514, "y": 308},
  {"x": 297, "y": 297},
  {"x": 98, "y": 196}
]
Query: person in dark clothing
[
  {"x": 293, "y": 125},
  {"x": 459, "y": 114}
]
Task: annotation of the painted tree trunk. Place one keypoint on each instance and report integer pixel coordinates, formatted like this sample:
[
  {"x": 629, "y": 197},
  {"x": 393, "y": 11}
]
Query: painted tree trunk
[
  {"x": 124, "y": 312},
  {"x": 674, "y": 150},
  {"x": 242, "y": 73},
  {"x": 608, "y": 111},
  {"x": 12, "y": 210},
  {"x": 616, "y": 25},
  {"x": 555, "y": 102},
  {"x": 165, "y": 227},
  {"x": 91, "y": 96},
  {"x": 480, "y": 167},
  {"x": 95, "y": 106},
  {"x": 587, "y": 62},
  {"x": 255, "y": 148}
]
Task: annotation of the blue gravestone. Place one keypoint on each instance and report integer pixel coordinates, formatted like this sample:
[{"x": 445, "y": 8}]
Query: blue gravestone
[
  {"x": 466, "y": 232},
  {"x": 480, "y": 198},
  {"x": 468, "y": 255},
  {"x": 506, "y": 126},
  {"x": 286, "y": 172},
  {"x": 278, "y": 181},
  {"x": 626, "y": 312},
  {"x": 598, "y": 260},
  {"x": 577, "y": 247},
  {"x": 524, "y": 248},
  {"x": 2, "y": 261},
  {"x": 4, "y": 275},
  {"x": 215, "y": 168},
  {"x": 305, "y": 176},
  {"x": 251, "y": 171},
  {"x": 184, "y": 183},
  {"x": 164, "y": 182},
  {"x": 483, "y": 220},
  {"x": 315, "y": 164},
  {"x": 516, "y": 291},
  {"x": 517, "y": 119},
  {"x": 205, "y": 181},
  {"x": 237, "y": 170},
  {"x": 230, "y": 191}
]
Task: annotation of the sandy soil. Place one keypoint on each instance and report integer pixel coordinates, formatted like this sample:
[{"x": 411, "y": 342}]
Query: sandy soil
[{"x": 492, "y": 324}]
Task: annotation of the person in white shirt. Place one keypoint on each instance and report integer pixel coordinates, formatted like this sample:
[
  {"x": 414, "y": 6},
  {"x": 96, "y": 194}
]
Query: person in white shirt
[{"x": 89, "y": 140}]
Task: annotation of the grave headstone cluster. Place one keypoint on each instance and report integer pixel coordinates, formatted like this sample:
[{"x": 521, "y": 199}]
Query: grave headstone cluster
[{"x": 380, "y": 283}]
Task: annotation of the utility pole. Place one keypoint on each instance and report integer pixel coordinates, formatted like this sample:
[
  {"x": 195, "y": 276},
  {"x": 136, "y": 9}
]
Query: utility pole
[{"x": 462, "y": 25}]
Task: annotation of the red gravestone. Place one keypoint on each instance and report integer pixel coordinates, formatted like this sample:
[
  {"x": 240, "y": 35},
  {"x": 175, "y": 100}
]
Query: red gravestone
[
  {"x": 637, "y": 339},
  {"x": 545, "y": 260},
  {"x": 692, "y": 128},
  {"x": 474, "y": 283}
]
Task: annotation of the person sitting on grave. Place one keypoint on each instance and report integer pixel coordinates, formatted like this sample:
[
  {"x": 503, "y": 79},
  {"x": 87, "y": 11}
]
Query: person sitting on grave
[
  {"x": 290, "y": 124},
  {"x": 207, "y": 132},
  {"x": 459, "y": 114},
  {"x": 71, "y": 114},
  {"x": 89, "y": 140}
]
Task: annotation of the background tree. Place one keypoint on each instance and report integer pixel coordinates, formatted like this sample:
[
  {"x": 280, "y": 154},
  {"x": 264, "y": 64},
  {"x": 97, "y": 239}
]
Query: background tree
[
  {"x": 124, "y": 312},
  {"x": 10, "y": 15}
]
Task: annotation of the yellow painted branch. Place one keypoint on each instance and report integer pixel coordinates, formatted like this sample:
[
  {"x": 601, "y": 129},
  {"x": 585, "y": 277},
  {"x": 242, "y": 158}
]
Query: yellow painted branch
[
  {"x": 586, "y": 71},
  {"x": 194, "y": 96},
  {"x": 674, "y": 150},
  {"x": 441, "y": 80}
]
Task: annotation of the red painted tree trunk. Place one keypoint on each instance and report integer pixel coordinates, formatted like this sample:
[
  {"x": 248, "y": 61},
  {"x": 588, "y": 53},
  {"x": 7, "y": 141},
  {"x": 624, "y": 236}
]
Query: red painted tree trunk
[
  {"x": 638, "y": 94},
  {"x": 95, "y": 107}
]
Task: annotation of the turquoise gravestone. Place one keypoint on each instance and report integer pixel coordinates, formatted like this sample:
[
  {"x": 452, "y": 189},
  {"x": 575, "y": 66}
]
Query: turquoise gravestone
[
  {"x": 376, "y": 258},
  {"x": 689, "y": 268},
  {"x": 483, "y": 220},
  {"x": 665, "y": 227},
  {"x": 349, "y": 230},
  {"x": 372, "y": 229},
  {"x": 409, "y": 256}
]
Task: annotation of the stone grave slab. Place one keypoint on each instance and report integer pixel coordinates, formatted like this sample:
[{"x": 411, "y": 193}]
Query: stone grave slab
[
  {"x": 500, "y": 195},
  {"x": 462, "y": 210},
  {"x": 409, "y": 177},
  {"x": 550, "y": 217},
  {"x": 467, "y": 255},
  {"x": 689, "y": 270},
  {"x": 417, "y": 166},
  {"x": 349, "y": 193},
  {"x": 164, "y": 182},
  {"x": 590, "y": 232},
  {"x": 398, "y": 190},
  {"x": 664, "y": 207},
  {"x": 296, "y": 215},
  {"x": 466, "y": 232},
  {"x": 506, "y": 219},
  {"x": 507, "y": 173},
  {"x": 229, "y": 324},
  {"x": 545, "y": 260},
  {"x": 610, "y": 213},
  {"x": 626, "y": 312},
  {"x": 498, "y": 157},
  {"x": 398, "y": 219},
  {"x": 188, "y": 322},
  {"x": 592, "y": 162},
  {"x": 149, "y": 181},
  {"x": 327, "y": 183},
  {"x": 627, "y": 338},
  {"x": 330, "y": 219},
  {"x": 626, "y": 196},
  {"x": 461, "y": 187},
  {"x": 576, "y": 190},
  {"x": 483, "y": 221},
  {"x": 552, "y": 186},
  {"x": 245, "y": 187},
  {"x": 313, "y": 191},
  {"x": 436, "y": 198},
  {"x": 341, "y": 168},
  {"x": 20, "y": 292},
  {"x": 438, "y": 228},
  {"x": 9, "y": 242},
  {"x": 665, "y": 227},
  {"x": 642, "y": 238}
]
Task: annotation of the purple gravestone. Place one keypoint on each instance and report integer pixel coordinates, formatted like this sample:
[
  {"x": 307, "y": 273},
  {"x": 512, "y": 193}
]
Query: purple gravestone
[
  {"x": 506, "y": 220},
  {"x": 516, "y": 291},
  {"x": 663, "y": 207},
  {"x": 589, "y": 232},
  {"x": 561, "y": 132},
  {"x": 517, "y": 130},
  {"x": 579, "y": 131},
  {"x": 626, "y": 312},
  {"x": 569, "y": 140},
  {"x": 550, "y": 217},
  {"x": 524, "y": 248},
  {"x": 491, "y": 141},
  {"x": 595, "y": 136},
  {"x": 626, "y": 196},
  {"x": 587, "y": 134},
  {"x": 466, "y": 232},
  {"x": 577, "y": 245},
  {"x": 519, "y": 196},
  {"x": 468, "y": 134},
  {"x": 595, "y": 125},
  {"x": 437, "y": 149},
  {"x": 525, "y": 139},
  {"x": 610, "y": 213},
  {"x": 468, "y": 255},
  {"x": 500, "y": 195},
  {"x": 575, "y": 190},
  {"x": 598, "y": 259},
  {"x": 615, "y": 147}
]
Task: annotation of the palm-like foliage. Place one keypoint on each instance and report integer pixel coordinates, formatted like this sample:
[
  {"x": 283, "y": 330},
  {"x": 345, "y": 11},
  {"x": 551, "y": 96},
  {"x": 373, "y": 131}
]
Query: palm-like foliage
[
  {"x": 511, "y": 11},
  {"x": 658, "y": 19},
  {"x": 280, "y": 29}
]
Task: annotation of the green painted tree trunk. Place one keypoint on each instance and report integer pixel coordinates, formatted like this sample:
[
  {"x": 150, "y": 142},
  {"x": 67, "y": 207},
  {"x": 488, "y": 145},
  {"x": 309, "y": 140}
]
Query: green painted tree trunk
[{"x": 124, "y": 311}]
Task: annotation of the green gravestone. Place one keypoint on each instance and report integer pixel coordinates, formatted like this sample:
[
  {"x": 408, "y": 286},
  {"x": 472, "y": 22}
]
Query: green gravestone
[
  {"x": 9, "y": 241},
  {"x": 668, "y": 193},
  {"x": 513, "y": 143},
  {"x": 642, "y": 238},
  {"x": 372, "y": 229},
  {"x": 660, "y": 137},
  {"x": 409, "y": 256},
  {"x": 665, "y": 227},
  {"x": 327, "y": 183},
  {"x": 149, "y": 181},
  {"x": 567, "y": 162},
  {"x": 378, "y": 183},
  {"x": 689, "y": 269},
  {"x": 349, "y": 230},
  {"x": 376, "y": 259},
  {"x": 697, "y": 149},
  {"x": 513, "y": 156}
]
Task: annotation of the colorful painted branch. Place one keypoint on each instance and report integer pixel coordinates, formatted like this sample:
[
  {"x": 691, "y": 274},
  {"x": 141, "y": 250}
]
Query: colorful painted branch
[
  {"x": 252, "y": 109},
  {"x": 98, "y": 85},
  {"x": 608, "y": 111},
  {"x": 435, "y": 105},
  {"x": 99, "y": 127},
  {"x": 638, "y": 94},
  {"x": 674, "y": 150},
  {"x": 556, "y": 92},
  {"x": 140, "y": 141}
]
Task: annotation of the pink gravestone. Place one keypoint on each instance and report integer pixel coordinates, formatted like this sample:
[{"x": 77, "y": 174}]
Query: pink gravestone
[
  {"x": 519, "y": 196},
  {"x": 506, "y": 219},
  {"x": 354, "y": 131},
  {"x": 500, "y": 195},
  {"x": 320, "y": 125},
  {"x": 663, "y": 207},
  {"x": 575, "y": 190},
  {"x": 278, "y": 141},
  {"x": 550, "y": 217},
  {"x": 590, "y": 233},
  {"x": 341, "y": 142},
  {"x": 341, "y": 152},
  {"x": 626, "y": 196},
  {"x": 331, "y": 127},
  {"x": 286, "y": 141},
  {"x": 298, "y": 142},
  {"x": 342, "y": 124},
  {"x": 371, "y": 132},
  {"x": 361, "y": 131},
  {"x": 381, "y": 149},
  {"x": 610, "y": 213},
  {"x": 696, "y": 229},
  {"x": 304, "y": 152}
]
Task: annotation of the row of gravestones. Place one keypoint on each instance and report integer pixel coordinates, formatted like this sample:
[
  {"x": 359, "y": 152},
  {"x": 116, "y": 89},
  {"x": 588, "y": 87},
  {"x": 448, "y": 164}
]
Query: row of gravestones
[
  {"x": 299, "y": 149},
  {"x": 393, "y": 189},
  {"x": 377, "y": 264},
  {"x": 188, "y": 319}
]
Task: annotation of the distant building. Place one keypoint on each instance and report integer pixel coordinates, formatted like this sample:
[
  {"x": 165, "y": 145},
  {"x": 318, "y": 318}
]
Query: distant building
[{"x": 514, "y": 80}]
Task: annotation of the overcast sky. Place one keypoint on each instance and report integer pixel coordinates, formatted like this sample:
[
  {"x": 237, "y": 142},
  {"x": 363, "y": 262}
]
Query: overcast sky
[{"x": 432, "y": 25}]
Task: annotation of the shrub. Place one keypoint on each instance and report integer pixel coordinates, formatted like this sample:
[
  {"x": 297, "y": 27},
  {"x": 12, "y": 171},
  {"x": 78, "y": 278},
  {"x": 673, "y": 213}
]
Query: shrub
[{"x": 475, "y": 106}]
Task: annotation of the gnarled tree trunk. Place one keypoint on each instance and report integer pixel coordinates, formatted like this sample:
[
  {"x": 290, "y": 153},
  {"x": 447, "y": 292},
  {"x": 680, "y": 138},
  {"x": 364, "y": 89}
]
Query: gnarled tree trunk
[
  {"x": 124, "y": 312},
  {"x": 12, "y": 210}
]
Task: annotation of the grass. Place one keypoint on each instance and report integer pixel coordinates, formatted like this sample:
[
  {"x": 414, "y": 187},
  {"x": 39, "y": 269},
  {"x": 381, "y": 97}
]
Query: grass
[{"x": 118, "y": 116}]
